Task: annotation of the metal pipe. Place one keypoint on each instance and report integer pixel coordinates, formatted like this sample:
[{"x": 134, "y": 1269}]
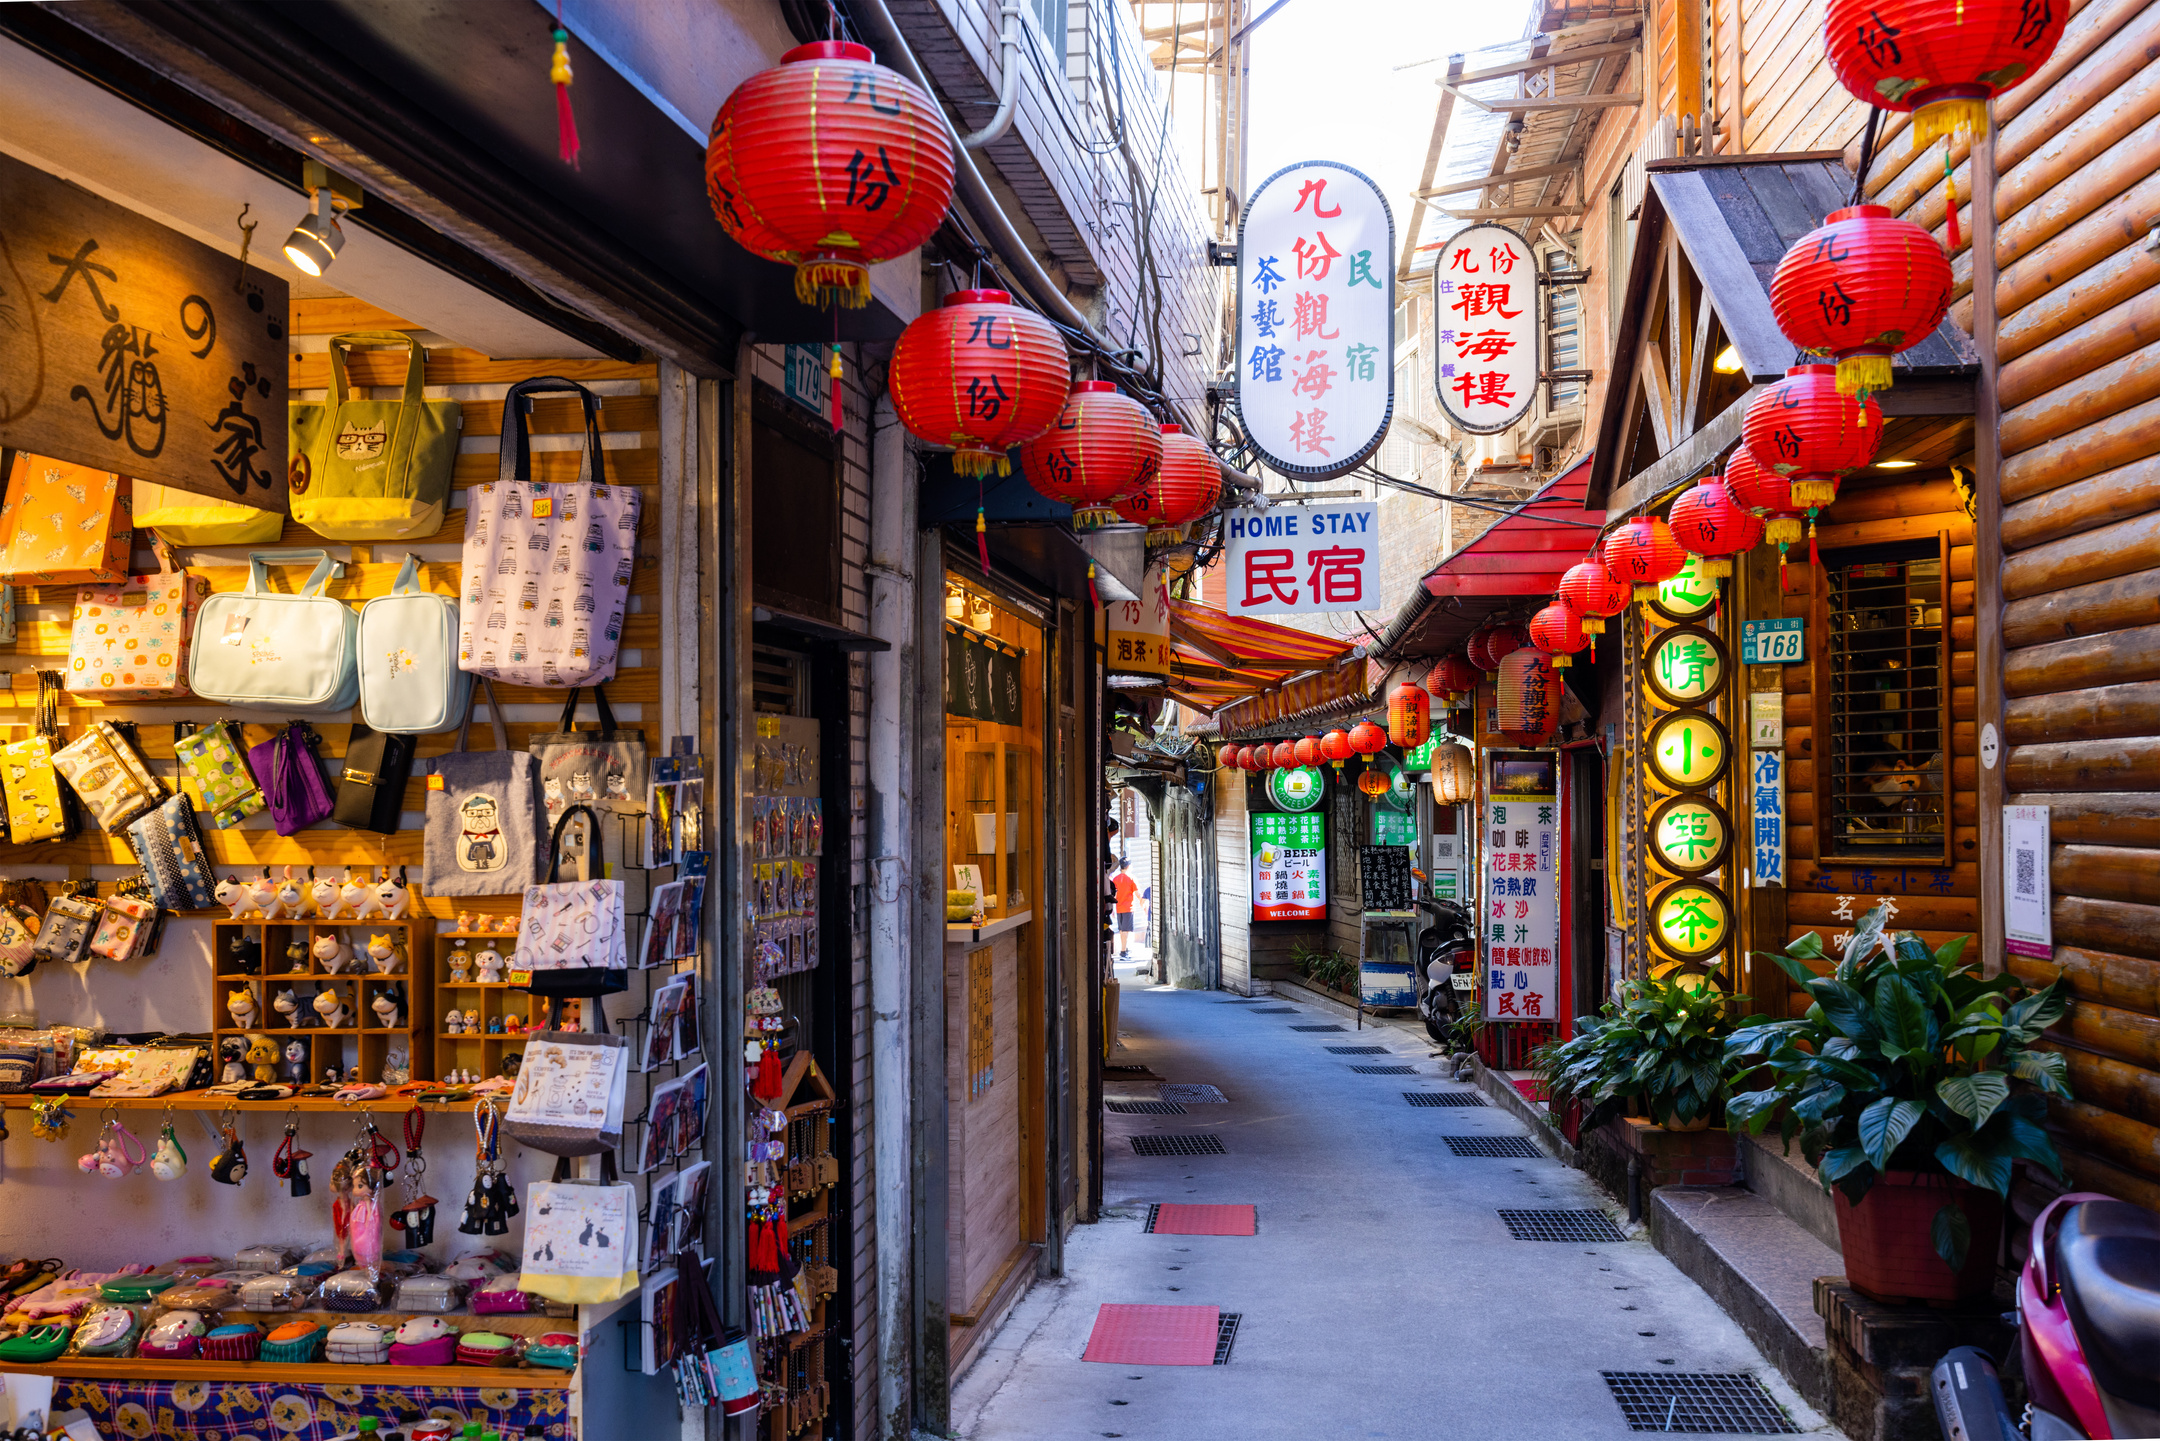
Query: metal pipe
[{"x": 1008, "y": 79}]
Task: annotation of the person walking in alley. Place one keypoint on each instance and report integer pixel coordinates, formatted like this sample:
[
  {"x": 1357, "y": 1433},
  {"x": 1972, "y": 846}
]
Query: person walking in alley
[{"x": 1125, "y": 888}]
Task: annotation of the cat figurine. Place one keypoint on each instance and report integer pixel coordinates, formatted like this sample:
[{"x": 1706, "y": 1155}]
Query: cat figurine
[
  {"x": 295, "y": 1062},
  {"x": 296, "y": 956},
  {"x": 387, "y": 952},
  {"x": 324, "y": 893},
  {"x": 243, "y": 1006},
  {"x": 288, "y": 900},
  {"x": 351, "y": 894},
  {"x": 287, "y": 1005},
  {"x": 370, "y": 903},
  {"x": 246, "y": 957},
  {"x": 331, "y": 952},
  {"x": 232, "y": 896},
  {"x": 262, "y": 895},
  {"x": 393, "y": 897},
  {"x": 330, "y": 1006},
  {"x": 386, "y": 1008},
  {"x": 460, "y": 963}
]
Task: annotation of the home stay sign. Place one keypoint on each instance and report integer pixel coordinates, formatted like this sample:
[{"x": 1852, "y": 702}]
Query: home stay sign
[
  {"x": 1291, "y": 559},
  {"x": 1316, "y": 315},
  {"x": 1485, "y": 328}
]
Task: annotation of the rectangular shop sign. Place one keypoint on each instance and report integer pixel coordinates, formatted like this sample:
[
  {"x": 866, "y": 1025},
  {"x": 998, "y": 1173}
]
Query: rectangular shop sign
[
  {"x": 1766, "y": 787},
  {"x": 2028, "y": 925},
  {"x": 1766, "y": 718},
  {"x": 1138, "y": 630},
  {"x": 1393, "y": 828},
  {"x": 1289, "y": 866},
  {"x": 1520, "y": 921},
  {"x": 1292, "y": 559},
  {"x": 125, "y": 346}
]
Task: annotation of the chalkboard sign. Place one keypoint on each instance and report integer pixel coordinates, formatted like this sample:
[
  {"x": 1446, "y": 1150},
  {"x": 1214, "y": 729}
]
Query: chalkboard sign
[{"x": 1384, "y": 872}]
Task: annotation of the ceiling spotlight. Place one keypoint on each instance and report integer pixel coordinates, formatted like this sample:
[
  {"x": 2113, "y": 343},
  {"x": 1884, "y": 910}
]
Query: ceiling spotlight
[
  {"x": 1727, "y": 362},
  {"x": 318, "y": 238},
  {"x": 1895, "y": 464}
]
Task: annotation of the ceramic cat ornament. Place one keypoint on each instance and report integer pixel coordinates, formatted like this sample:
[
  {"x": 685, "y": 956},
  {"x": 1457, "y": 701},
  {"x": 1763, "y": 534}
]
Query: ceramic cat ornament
[{"x": 243, "y": 1006}]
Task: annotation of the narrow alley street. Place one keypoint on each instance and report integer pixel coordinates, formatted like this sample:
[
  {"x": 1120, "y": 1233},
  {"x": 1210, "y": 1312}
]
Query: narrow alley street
[{"x": 1382, "y": 1294}]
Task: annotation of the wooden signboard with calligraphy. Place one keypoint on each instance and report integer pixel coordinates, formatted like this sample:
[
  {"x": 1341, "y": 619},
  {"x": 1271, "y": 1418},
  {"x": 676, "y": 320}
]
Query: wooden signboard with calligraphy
[{"x": 128, "y": 347}]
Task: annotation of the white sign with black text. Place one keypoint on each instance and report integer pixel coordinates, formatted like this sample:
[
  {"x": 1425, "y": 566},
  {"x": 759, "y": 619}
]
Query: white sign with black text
[{"x": 1291, "y": 559}]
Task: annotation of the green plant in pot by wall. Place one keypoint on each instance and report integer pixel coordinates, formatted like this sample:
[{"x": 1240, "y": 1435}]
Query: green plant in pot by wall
[
  {"x": 1899, "y": 1078},
  {"x": 1659, "y": 1043}
]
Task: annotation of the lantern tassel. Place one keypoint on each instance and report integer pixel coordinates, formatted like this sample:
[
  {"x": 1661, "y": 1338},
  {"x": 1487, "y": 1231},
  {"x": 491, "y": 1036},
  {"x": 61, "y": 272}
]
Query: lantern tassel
[
  {"x": 1950, "y": 196},
  {"x": 1813, "y": 557},
  {"x": 833, "y": 280},
  {"x": 1862, "y": 375},
  {"x": 566, "y": 136},
  {"x": 1959, "y": 115},
  {"x": 982, "y": 539},
  {"x": 838, "y": 418},
  {"x": 1094, "y": 597}
]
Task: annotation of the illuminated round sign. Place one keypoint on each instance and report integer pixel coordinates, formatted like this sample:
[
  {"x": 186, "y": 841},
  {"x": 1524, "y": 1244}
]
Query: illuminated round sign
[
  {"x": 1400, "y": 787},
  {"x": 1686, "y": 665},
  {"x": 1295, "y": 788},
  {"x": 1690, "y": 920},
  {"x": 1688, "y": 594},
  {"x": 1689, "y": 835},
  {"x": 1687, "y": 750}
]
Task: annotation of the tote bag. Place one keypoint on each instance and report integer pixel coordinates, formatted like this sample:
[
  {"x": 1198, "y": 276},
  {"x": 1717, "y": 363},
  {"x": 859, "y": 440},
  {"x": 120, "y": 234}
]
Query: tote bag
[
  {"x": 581, "y": 1241},
  {"x": 483, "y": 812},
  {"x": 547, "y": 566},
  {"x": 604, "y": 769},
  {"x": 130, "y": 642},
  {"x": 181, "y": 517},
  {"x": 571, "y": 936},
  {"x": 569, "y": 1094},
  {"x": 63, "y": 524},
  {"x": 374, "y": 469}
]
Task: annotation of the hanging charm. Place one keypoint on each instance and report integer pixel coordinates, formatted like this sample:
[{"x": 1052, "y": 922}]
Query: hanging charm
[
  {"x": 566, "y": 136},
  {"x": 1950, "y": 196},
  {"x": 839, "y": 418},
  {"x": 290, "y": 1163}
]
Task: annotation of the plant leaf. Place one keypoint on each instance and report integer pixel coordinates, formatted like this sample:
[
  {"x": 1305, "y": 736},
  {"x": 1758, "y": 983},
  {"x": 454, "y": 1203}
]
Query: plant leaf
[
  {"x": 1946, "y": 954},
  {"x": 1901, "y": 1014},
  {"x": 1971, "y": 1159},
  {"x": 2049, "y": 1070},
  {"x": 1866, "y": 936},
  {"x": 1952, "y": 1235},
  {"x": 1839, "y": 1163},
  {"x": 1975, "y": 1097},
  {"x": 1846, "y": 1009},
  {"x": 1808, "y": 948},
  {"x": 2029, "y": 1017},
  {"x": 1794, "y": 964},
  {"x": 1884, "y": 1126}
]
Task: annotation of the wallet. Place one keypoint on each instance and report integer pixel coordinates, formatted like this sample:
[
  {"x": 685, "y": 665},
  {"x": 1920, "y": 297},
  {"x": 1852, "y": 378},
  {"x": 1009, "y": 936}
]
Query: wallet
[{"x": 371, "y": 780}]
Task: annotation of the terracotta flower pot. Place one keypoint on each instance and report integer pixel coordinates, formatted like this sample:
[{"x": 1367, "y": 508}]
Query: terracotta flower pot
[
  {"x": 1888, "y": 1239},
  {"x": 1700, "y": 1123}
]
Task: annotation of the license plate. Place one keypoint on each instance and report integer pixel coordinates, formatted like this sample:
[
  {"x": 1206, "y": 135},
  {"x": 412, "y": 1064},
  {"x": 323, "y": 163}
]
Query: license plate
[{"x": 1463, "y": 981}]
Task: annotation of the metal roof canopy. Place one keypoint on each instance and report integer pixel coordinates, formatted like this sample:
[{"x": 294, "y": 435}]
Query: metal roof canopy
[{"x": 1733, "y": 218}]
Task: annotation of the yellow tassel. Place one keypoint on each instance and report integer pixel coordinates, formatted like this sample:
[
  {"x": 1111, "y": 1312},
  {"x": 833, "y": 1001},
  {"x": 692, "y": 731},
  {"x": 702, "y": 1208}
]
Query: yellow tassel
[
  {"x": 825, "y": 280},
  {"x": 1962, "y": 116},
  {"x": 1646, "y": 592},
  {"x": 972, "y": 462},
  {"x": 1561, "y": 659},
  {"x": 1783, "y": 530},
  {"x": 1093, "y": 517},
  {"x": 1593, "y": 625},
  {"x": 1862, "y": 375},
  {"x": 1813, "y": 493},
  {"x": 1712, "y": 567}
]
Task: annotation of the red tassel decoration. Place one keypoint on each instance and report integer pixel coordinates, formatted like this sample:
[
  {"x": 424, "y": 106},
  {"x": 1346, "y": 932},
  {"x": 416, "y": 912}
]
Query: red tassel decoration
[
  {"x": 982, "y": 538},
  {"x": 566, "y": 136},
  {"x": 837, "y": 419},
  {"x": 1950, "y": 194},
  {"x": 767, "y": 1085},
  {"x": 1813, "y": 558},
  {"x": 1094, "y": 596},
  {"x": 779, "y": 1239}
]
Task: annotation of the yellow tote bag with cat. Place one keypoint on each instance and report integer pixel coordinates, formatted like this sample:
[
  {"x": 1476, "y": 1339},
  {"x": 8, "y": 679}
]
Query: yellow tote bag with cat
[
  {"x": 184, "y": 518},
  {"x": 374, "y": 469}
]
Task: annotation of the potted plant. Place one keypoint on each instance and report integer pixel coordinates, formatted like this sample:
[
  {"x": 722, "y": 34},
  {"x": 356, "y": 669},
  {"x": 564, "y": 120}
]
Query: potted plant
[
  {"x": 1656, "y": 1049},
  {"x": 1900, "y": 1083}
]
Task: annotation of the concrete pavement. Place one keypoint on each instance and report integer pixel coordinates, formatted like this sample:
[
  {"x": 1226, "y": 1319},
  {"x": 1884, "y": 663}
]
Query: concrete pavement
[{"x": 1383, "y": 1295}]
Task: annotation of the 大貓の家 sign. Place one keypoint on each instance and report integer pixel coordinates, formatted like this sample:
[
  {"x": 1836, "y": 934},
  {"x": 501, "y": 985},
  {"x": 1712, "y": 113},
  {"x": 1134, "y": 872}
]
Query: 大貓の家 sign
[
  {"x": 1289, "y": 559},
  {"x": 1316, "y": 316},
  {"x": 1485, "y": 328},
  {"x": 125, "y": 346}
]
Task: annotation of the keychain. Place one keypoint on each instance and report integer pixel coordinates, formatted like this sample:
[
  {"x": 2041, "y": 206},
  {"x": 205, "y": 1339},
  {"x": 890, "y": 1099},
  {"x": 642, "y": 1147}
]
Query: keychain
[
  {"x": 416, "y": 1218},
  {"x": 493, "y": 1201},
  {"x": 229, "y": 1166},
  {"x": 290, "y": 1163},
  {"x": 49, "y": 1120},
  {"x": 168, "y": 1162},
  {"x": 374, "y": 1158},
  {"x": 118, "y": 1152}
]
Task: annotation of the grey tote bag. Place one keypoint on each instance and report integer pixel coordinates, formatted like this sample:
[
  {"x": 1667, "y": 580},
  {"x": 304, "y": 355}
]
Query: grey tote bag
[{"x": 483, "y": 815}]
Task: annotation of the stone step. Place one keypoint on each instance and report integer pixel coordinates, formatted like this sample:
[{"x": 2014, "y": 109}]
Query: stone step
[{"x": 1789, "y": 1183}]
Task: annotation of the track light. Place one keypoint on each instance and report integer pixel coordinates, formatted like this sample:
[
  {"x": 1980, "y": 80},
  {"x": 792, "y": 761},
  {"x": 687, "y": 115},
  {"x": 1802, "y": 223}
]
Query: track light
[{"x": 317, "y": 239}]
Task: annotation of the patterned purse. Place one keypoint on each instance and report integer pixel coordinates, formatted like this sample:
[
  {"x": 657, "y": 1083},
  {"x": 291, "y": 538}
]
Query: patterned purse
[
  {"x": 130, "y": 641},
  {"x": 36, "y": 808},
  {"x": 69, "y": 924},
  {"x": 170, "y": 851},
  {"x": 109, "y": 775},
  {"x": 124, "y": 930},
  {"x": 210, "y": 760}
]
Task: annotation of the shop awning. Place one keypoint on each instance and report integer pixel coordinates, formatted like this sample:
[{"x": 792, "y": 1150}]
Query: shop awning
[
  {"x": 1352, "y": 682},
  {"x": 1217, "y": 659}
]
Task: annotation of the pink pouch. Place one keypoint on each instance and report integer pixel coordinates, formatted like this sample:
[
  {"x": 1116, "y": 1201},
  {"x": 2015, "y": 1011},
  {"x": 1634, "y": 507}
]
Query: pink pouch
[
  {"x": 500, "y": 1297},
  {"x": 442, "y": 1351},
  {"x": 183, "y": 1348}
]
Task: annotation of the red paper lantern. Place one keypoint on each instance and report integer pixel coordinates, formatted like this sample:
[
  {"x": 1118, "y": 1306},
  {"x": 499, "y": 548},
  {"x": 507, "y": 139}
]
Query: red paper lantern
[
  {"x": 1709, "y": 522},
  {"x": 1529, "y": 698},
  {"x": 1557, "y": 630},
  {"x": 1941, "y": 61},
  {"x": 1803, "y": 429},
  {"x": 981, "y": 375},
  {"x": 1859, "y": 289},
  {"x": 1335, "y": 747},
  {"x": 1409, "y": 716},
  {"x": 1307, "y": 751},
  {"x": 1103, "y": 447},
  {"x": 1367, "y": 739},
  {"x": 1285, "y": 755},
  {"x": 1454, "y": 678},
  {"x": 1183, "y": 489},
  {"x": 1591, "y": 592},
  {"x": 1374, "y": 781},
  {"x": 1231, "y": 758},
  {"x": 830, "y": 163},
  {"x": 1488, "y": 647},
  {"x": 1644, "y": 554},
  {"x": 1764, "y": 495},
  {"x": 1260, "y": 758}
]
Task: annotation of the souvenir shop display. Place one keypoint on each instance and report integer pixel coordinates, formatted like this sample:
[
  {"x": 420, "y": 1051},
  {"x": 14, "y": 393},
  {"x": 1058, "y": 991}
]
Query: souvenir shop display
[
  {"x": 292, "y": 779},
  {"x": 410, "y": 683},
  {"x": 130, "y": 641},
  {"x": 605, "y": 768},
  {"x": 570, "y": 934},
  {"x": 570, "y": 1091},
  {"x": 581, "y": 1243},
  {"x": 181, "y": 517}
]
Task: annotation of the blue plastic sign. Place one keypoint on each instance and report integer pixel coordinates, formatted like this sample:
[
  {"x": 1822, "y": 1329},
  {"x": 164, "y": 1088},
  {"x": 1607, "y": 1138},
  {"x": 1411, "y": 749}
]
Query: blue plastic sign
[
  {"x": 1773, "y": 642},
  {"x": 809, "y": 378}
]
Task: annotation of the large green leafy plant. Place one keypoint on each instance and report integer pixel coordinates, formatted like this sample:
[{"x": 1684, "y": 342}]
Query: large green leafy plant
[
  {"x": 1659, "y": 1042},
  {"x": 1904, "y": 1062}
]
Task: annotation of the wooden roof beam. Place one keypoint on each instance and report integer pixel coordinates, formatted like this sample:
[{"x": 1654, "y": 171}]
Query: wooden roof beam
[
  {"x": 1503, "y": 177},
  {"x": 1546, "y": 62},
  {"x": 1562, "y": 102},
  {"x": 1519, "y": 212}
]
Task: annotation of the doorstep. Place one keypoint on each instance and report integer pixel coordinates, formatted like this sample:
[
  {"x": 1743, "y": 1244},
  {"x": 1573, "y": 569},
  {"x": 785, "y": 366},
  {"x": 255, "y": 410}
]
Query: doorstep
[
  {"x": 1544, "y": 1130},
  {"x": 1789, "y": 1183},
  {"x": 1761, "y": 1266}
]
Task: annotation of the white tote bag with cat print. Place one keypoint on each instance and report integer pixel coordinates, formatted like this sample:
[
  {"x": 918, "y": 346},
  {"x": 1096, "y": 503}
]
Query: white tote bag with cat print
[{"x": 547, "y": 565}]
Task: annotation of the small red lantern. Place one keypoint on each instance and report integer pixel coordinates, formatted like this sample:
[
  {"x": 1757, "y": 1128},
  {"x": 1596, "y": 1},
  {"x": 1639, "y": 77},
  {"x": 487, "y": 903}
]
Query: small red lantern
[
  {"x": 1591, "y": 592},
  {"x": 1644, "y": 554},
  {"x": 1859, "y": 289},
  {"x": 1942, "y": 62},
  {"x": 1454, "y": 678},
  {"x": 830, "y": 163},
  {"x": 1103, "y": 447},
  {"x": 1488, "y": 647},
  {"x": 1529, "y": 698},
  {"x": 1409, "y": 716},
  {"x": 1231, "y": 758},
  {"x": 1285, "y": 755},
  {"x": 1335, "y": 747},
  {"x": 1803, "y": 429},
  {"x": 1374, "y": 781},
  {"x": 1765, "y": 495},
  {"x": 1260, "y": 759},
  {"x": 1709, "y": 522},
  {"x": 1307, "y": 751},
  {"x": 1367, "y": 739},
  {"x": 1182, "y": 490},
  {"x": 981, "y": 375},
  {"x": 1557, "y": 631}
]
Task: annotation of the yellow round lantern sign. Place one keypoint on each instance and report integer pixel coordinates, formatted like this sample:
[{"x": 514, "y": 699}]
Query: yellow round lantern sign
[
  {"x": 1687, "y": 750},
  {"x": 1690, "y": 920},
  {"x": 1686, "y": 665},
  {"x": 1690, "y": 835},
  {"x": 1688, "y": 594}
]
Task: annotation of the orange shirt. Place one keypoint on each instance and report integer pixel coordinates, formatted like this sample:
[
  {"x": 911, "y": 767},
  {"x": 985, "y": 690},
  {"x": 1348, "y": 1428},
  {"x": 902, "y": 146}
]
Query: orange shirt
[{"x": 1126, "y": 888}]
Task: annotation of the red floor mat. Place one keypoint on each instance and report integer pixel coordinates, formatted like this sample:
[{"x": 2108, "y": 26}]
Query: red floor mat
[
  {"x": 1154, "y": 1335},
  {"x": 1173, "y": 1219},
  {"x": 1531, "y": 1088}
]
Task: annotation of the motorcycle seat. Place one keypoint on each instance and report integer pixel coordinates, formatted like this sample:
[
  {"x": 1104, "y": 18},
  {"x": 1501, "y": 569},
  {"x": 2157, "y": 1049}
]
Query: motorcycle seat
[{"x": 2108, "y": 1258}]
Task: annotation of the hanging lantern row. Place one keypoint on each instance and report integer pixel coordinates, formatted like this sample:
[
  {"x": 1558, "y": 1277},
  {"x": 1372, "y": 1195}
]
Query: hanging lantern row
[
  {"x": 1644, "y": 554},
  {"x": 1307, "y": 751},
  {"x": 1493, "y": 642},
  {"x": 1454, "y": 678},
  {"x": 1942, "y": 62},
  {"x": 979, "y": 374},
  {"x": 1709, "y": 522}
]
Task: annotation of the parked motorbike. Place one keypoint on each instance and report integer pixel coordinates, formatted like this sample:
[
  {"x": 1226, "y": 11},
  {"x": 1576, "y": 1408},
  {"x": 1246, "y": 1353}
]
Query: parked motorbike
[
  {"x": 2089, "y": 1330},
  {"x": 1446, "y": 950}
]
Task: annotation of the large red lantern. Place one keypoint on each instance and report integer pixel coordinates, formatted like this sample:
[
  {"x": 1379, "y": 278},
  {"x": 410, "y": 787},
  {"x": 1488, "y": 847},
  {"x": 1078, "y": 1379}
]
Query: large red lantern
[
  {"x": 981, "y": 375},
  {"x": 1862, "y": 287},
  {"x": 1367, "y": 739},
  {"x": 1488, "y": 647},
  {"x": 830, "y": 163},
  {"x": 1409, "y": 716},
  {"x": 1803, "y": 429},
  {"x": 1307, "y": 750},
  {"x": 1529, "y": 698},
  {"x": 1184, "y": 487},
  {"x": 1454, "y": 677},
  {"x": 1764, "y": 495},
  {"x": 1591, "y": 592},
  {"x": 1709, "y": 522},
  {"x": 1644, "y": 554},
  {"x": 1285, "y": 755},
  {"x": 1335, "y": 748},
  {"x": 1557, "y": 631},
  {"x": 1103, "y": 447},
  {"x": 1941, "y": 61}
]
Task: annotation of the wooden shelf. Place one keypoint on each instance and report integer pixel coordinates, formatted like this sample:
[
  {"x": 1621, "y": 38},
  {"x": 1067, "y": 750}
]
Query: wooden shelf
[
  {"x": 205, "y": 1101},
  {"x": 144, "y": 1368}
]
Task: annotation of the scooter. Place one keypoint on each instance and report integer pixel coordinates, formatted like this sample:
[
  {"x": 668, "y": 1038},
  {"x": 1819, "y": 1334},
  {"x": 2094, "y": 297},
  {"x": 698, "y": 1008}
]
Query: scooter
[
  {"x": 1446, "y": 950},
  {"x": 2089, "y": 1328}
]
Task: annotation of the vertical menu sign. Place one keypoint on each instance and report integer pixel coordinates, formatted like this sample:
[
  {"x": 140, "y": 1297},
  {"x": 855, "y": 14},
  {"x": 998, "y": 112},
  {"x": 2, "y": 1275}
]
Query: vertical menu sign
[
  {"x": 1316, "y": 316},
  {"x": 1485, "y": 328},
  {"x": 1521, "y": 931}
]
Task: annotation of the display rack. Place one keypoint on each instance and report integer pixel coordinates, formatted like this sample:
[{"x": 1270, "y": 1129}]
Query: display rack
[
  {"x": 363, "y": 1040},
  {"x": 486, "y": 1004}
]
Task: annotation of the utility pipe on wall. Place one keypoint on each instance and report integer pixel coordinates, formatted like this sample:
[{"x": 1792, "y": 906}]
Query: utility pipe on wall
[{"x": 1008, "y": 80}]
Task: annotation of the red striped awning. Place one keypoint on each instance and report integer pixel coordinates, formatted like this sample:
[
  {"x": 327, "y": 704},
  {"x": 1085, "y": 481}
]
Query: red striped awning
[
  {"x": 1526, "y": 553},
  {"x": 1244, "y": 642}
]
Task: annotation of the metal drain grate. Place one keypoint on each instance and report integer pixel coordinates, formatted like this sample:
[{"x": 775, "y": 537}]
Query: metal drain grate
[
  {"x": 1385, "y": 1070},
  {"x": 1192, "y": 1095},
  {"x": 1443, "y": 1098},
  {"x": 1272, "y": 1011},
  {"x": 1189, "y": 1144},
  {"x": 1145, "y": 1108},
  {"x": 1319, "y": 1028},
  {"x": 1698, "y": 1403},
  {"x": 1123, "y": 1070},
  {"x": 1513, "y": 1147},
  {"x": 1555, "y": 1225},
  {"x": 1357, "y": 1050},
  {"x": 1226, "y": 1335}
]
